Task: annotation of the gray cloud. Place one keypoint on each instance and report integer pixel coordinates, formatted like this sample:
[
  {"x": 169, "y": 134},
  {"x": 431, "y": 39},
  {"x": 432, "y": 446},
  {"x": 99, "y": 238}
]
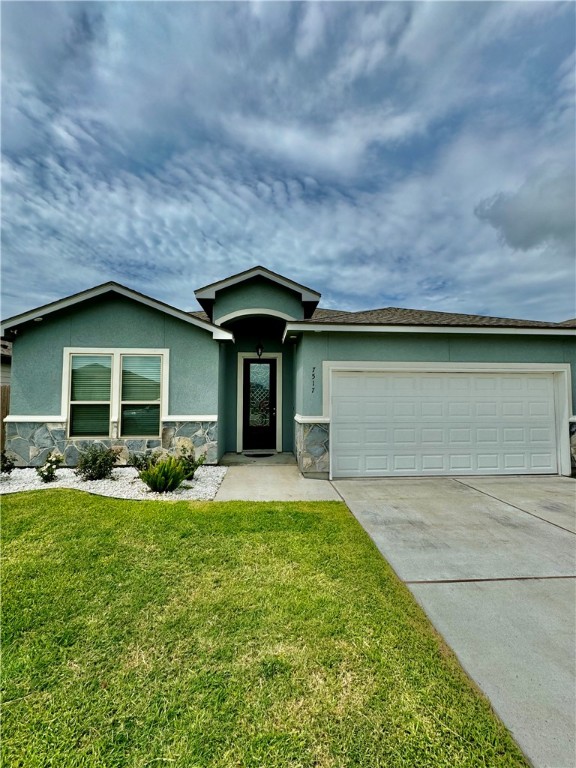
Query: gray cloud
[{"x": 543, "y": 210}]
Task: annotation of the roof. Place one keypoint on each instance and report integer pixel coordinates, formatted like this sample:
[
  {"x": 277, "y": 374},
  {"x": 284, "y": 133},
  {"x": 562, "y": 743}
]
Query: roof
[
  {"x": 209, "y": 291},
  {"x": 401, "y": 316},
  {"x": 11, "y": 323}
]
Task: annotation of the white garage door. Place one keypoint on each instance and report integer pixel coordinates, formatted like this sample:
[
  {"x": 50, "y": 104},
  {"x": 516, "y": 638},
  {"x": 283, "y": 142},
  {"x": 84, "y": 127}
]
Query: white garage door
[{"x": 442, "y": 424}]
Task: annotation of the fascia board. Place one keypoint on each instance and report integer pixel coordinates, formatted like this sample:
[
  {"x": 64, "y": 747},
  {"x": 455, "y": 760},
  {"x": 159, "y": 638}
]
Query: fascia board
[
  {"x": 325, "y": 328},
  {"x": 209, "y": 292},
  {"x": 217, "y": 333}
]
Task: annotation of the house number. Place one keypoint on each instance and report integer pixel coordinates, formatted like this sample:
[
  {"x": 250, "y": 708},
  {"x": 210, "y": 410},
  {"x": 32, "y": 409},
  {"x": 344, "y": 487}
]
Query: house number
[{"x": 313, "y": 379}]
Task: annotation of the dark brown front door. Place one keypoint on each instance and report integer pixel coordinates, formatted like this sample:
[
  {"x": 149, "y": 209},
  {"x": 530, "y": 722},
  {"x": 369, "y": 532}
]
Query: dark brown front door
[{"x": 259, "y": 406}]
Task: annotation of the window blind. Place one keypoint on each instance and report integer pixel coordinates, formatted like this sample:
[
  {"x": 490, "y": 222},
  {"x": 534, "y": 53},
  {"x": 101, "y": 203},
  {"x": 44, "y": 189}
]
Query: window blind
[
  {"x": 140, "y": 377},
  {"x": 91, "y": 376}
]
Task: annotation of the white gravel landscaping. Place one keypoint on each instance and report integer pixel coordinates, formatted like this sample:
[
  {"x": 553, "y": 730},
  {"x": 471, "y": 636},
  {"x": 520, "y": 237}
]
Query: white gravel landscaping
[{"x": 124, "y": 484}]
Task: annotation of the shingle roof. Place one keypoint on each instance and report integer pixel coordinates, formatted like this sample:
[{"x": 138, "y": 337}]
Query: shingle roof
[{"x": 401, "y": 316}]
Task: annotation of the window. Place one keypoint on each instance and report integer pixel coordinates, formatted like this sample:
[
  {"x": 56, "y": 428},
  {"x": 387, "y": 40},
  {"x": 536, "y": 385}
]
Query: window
[
  {"x": 91, "y": 377},
  {"x": 140, "y": 406},
  {"x": 120, "y": 389}
]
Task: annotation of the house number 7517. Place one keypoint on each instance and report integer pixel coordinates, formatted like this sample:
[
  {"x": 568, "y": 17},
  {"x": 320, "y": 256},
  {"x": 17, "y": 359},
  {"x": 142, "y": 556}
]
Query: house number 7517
[{"x": 313, "y": 379}]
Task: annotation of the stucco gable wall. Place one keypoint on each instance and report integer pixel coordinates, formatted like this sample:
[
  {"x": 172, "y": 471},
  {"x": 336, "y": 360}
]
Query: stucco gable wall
[
  {"x": 313, "y": 349},
  {"x": 111, "y": 323},
  {"x": 258, "y": 293}
]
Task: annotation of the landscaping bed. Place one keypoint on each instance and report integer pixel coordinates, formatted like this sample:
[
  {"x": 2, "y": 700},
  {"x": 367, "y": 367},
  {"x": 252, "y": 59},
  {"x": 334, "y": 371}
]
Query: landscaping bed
[{"x": 124, "y": 484}]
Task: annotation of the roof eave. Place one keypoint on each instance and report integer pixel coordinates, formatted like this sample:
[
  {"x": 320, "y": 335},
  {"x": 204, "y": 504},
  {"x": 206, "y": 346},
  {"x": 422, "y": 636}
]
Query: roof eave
[
  {"x": 299, "y": 327},
  {"x": 12, "y": 323}
]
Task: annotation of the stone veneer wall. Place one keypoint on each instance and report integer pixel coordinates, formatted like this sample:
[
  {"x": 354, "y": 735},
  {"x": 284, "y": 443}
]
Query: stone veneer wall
[
  {"x": 31, "y": 442},
  {"x": 313, "y": 448},
  {"x": 573, "y": 444}
]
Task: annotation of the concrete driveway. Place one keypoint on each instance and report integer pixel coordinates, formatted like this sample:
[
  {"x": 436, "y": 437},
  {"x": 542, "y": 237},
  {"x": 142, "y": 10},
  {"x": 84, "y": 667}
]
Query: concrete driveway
[{"x": 492, "y": 561}]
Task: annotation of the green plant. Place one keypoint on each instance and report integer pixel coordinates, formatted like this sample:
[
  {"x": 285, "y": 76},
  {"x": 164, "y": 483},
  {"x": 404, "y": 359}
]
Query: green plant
[
  {"x": 189, "y": 463},
  {"x": 96, "y": 463},
  {"x": 164, "y": 476},
  {"x": 47, "y": 472},
  {"x": 7, "y": 464},
  {"x": 142, "y": 461}
]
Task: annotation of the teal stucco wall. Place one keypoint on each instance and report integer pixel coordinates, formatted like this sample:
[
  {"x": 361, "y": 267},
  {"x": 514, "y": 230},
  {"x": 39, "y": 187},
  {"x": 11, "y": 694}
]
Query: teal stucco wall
[
  {"x": 259, "y": 293},
  {"x": 314, "y": 348},
  {"x": 111, "y": 323}
]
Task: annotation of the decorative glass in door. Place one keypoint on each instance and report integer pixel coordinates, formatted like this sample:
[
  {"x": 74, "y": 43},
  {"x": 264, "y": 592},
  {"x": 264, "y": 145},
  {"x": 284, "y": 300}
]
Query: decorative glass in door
[{"x": 259, "y": 397}]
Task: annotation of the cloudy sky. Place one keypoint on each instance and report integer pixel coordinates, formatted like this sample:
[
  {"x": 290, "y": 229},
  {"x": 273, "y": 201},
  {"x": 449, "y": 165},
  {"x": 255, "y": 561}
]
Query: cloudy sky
[{"x": 387, "y": 154}]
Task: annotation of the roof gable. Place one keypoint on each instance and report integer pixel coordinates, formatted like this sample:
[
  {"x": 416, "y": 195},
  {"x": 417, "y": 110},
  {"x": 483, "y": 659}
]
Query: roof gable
[
  {"x": 106, "y": 288},
  {"x": 207, "y": 295}
]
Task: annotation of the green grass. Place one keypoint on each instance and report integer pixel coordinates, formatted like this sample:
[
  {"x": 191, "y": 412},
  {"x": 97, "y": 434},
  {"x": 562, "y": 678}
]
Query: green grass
[{"x": 233, "y": 634}]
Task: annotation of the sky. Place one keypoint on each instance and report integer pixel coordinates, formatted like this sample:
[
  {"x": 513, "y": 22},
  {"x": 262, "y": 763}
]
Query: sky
[{"x": 399, "y": 154}]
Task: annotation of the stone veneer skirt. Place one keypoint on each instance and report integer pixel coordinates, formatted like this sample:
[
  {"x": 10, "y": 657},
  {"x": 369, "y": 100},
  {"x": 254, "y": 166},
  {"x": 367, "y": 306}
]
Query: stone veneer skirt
[
  {"x": 313, "y": 448},
  {"x": 31, "y": 442}
]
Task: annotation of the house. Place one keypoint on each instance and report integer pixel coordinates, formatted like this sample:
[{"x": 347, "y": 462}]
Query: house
[
  {"x": 5, "y": 362},
  {"x": 262, "y": 368}
]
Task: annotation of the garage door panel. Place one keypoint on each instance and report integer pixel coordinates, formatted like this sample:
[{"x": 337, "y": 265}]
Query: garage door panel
[
  {"x": 489, "y": 462},
  {"x": 443, "y": 424},
  {"x": 486, "y": 435},
  {"x": 542, "y": 462},
  {"x": 514, "y": 435},
  {"x": 433, "y": 462},
  {"x": 432, "y": 409},
  {"x": 515, "y": 461},
  {"x": 486, "y": 409},
  {"x": 431, "y": 435},
  {"x": 460, "y": 435},
  {"x": 377, "y": 463}
]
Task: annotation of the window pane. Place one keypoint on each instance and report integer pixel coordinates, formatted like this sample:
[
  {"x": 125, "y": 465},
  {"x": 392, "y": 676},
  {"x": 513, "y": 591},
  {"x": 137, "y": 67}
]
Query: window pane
[
  {"x": 91, "y": 377},
  {"x": 89, "y": 420},
  {"x": 143, "y": 420},
  {"x": 141, "y": 377}
]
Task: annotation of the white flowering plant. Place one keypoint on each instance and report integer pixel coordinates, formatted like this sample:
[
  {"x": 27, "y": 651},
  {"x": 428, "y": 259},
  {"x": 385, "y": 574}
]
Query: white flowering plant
[{"x": 47, "y": 472}]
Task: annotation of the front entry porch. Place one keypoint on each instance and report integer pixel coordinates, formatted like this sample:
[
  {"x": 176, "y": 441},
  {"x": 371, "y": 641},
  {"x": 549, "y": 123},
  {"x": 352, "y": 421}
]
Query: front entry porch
[{"x": 262, "y": 458}]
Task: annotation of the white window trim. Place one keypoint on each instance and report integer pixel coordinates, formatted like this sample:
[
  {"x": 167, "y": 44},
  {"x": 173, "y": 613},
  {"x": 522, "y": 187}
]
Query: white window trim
[
  {"x": 561, "y": 376},
  {"x": 116, "y": 353},
  {"x": 240, "y": 396}
]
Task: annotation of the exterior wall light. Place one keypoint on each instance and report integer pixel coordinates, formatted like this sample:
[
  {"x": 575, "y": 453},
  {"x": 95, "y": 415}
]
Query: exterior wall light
[{"x": 259, "y": 349}]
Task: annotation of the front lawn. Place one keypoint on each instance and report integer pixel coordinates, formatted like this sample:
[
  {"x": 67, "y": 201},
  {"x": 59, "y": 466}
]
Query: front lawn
[{"x": 221, "y": 634}]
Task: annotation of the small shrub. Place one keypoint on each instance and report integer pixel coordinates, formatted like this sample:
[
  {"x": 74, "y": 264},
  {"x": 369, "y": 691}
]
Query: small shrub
[
  {"x": 189, "y": 463},
  {"x": 7, "y": 463},
  {"x": 47, "y": 473},
  {"x": 163, "y": 477},
  {"x": 96, "y": 463},
  {"x": 142, "y": 461}
]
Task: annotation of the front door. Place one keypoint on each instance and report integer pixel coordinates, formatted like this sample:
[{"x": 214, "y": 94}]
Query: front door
[{"x": 259, "y": 404}]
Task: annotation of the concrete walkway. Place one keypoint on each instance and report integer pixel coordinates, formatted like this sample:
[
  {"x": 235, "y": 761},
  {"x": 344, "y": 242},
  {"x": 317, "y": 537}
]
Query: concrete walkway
[
  {"x": 265, "y": 482},
  {"x": 492, "y": 561}
]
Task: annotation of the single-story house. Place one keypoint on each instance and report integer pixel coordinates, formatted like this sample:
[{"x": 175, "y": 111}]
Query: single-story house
[
  {"x": 261, "y": 367},
  {"x": 5, "y": 362}
]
